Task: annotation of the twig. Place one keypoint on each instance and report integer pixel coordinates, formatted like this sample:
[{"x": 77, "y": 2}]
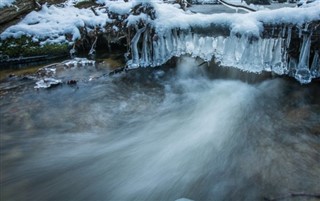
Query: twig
[{"x": 94, "y": 11}]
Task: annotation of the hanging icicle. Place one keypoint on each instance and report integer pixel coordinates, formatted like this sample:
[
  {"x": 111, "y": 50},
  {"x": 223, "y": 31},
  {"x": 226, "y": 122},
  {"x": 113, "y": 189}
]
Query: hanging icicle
[
  {"x": 303, "y": 73},
  {"x": 135, "y": 63}
]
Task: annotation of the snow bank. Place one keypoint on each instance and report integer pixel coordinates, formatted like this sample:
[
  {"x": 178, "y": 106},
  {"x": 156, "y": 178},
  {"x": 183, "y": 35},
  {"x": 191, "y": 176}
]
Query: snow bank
[
  {"x": 169, "y": 17},
  {"x": 4, "y": 3},
  {"x": 52, "y": 23}
]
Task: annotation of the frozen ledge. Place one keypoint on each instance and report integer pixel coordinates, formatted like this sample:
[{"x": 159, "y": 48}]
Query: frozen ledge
[{"x": 283, "y": 41}]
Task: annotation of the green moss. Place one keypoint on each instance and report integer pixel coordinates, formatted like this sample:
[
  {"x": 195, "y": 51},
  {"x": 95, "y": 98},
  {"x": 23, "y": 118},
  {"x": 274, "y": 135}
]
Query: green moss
[{"x": 25, "y": 46}]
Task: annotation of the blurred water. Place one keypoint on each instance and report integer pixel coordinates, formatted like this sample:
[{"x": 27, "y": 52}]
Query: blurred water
[{"x": 161, "y": 134}]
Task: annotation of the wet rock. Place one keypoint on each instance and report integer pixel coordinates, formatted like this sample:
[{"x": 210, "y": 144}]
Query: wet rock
[
  {"x": 72, "y": 82},
  {"x": 47, "y": 83},
  {"x": 78, "y": 62}
]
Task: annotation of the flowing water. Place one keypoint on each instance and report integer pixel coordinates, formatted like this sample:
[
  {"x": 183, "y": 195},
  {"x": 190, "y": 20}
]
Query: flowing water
[{"x": 160, "y": 134}]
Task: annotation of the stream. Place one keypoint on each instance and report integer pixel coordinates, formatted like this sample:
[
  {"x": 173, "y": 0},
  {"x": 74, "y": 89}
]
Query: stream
[{"x": 170, "y": 133}]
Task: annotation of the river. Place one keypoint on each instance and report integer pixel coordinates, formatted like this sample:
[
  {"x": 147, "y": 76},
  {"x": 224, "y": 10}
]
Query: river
[{"x": 159, "y": 134}]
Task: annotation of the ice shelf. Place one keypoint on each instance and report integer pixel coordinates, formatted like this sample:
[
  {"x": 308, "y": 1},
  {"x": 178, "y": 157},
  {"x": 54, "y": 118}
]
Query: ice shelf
[{"x": 247, "y": 53}]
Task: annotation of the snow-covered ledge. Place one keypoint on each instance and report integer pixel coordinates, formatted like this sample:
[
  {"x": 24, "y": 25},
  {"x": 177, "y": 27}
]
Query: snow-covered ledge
[{"x": 247, "y": 46}]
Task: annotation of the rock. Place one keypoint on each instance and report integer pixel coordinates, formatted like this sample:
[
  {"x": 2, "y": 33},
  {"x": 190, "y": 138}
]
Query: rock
[
  {"x": 72, "y": 82},
  {"x": 47, "y": 83}
]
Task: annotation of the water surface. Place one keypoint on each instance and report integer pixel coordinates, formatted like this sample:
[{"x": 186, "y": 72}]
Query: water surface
[{"x": 159, "y": 134}]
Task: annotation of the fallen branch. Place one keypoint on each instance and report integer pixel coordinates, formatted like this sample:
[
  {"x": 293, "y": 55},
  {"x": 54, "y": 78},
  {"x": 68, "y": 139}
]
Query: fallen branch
[{"x": 301, "y": 194}]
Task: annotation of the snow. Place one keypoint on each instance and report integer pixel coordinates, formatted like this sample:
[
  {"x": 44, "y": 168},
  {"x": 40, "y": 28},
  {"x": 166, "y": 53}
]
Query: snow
[
  {"x": 169, "y": 17},
  {"x": 52, "y": 23},
  {"x": 47, "y": 83},
  {"x": 119, "y": 7},
  {"x": 4, "y": 3}
]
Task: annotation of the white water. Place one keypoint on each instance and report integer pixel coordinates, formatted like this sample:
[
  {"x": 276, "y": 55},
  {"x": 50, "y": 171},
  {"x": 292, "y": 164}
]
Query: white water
[{"x": 161, "y": 135}]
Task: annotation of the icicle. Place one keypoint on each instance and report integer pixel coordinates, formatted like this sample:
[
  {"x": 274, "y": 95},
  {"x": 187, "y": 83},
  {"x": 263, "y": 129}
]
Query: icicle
[
  {"x": 229, "y": 50},
  {"x": 267, "y": 53},
  {"x": 220, "y": 45},
  {"x": 303, "y": 74},
  {"x": 306, "y": 26},
  {"x": 169, "y": 44},
  {"x": 156, "y": 54},
  {"x": 181, "y": 43},
  {"x": 196, "y": 45},
  {"x": 145, "y": 50},
  {"x": 175, "y": 42},
  {"x": 300, "y": 32},
  {"x": 162, "y": 50},
  {"x": 93, "y": 48},
  {"x": 73, "y": 51},
  {"x": 315, "y": 66},
  {"x": 276, "y": 57},
  {"x": 189, "y": 43},
  {"x": 292, "y": 66},
  {"x": 288, "y": 40},
  {"x": 134, "y": 48},
  {"x": 207, "y": 50},
  {"x": 283, "y": 31}
]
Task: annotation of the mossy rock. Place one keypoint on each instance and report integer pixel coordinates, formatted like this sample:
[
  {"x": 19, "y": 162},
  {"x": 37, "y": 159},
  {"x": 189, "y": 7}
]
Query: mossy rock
[{"x": 26, "y": 47}]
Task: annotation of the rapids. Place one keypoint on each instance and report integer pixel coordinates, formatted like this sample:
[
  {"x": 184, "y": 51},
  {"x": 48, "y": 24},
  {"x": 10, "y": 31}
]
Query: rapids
[{"x": 161, "y": 134}]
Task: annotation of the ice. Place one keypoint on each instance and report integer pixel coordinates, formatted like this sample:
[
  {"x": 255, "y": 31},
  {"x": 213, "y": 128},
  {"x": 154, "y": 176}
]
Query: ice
[
  {"x": 134, "y": 48},
  {"x": 246, "y": 53},
  {"x": 173, "y": 34},
  {"x": 303, "y": 73},
  {"x": 78, "y": 62},
  {"x": 47, "y": 83},
  {"x": 315, "y": 67}
]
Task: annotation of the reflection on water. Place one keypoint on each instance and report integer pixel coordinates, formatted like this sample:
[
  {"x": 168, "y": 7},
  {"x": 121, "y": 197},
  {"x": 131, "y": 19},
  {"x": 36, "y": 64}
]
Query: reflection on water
[{"x": 160, "y": 134}]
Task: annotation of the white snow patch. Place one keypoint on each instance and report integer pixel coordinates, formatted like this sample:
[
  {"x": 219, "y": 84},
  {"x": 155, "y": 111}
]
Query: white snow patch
[
  {"x": 169, "y": 17},
  {"x": 47, "y": 83},
  {"x": 52, "y": 23},
  {"x": 4, "y": 3}
]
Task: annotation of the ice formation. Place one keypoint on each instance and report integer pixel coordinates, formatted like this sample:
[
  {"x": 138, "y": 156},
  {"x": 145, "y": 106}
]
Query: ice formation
[
  {"x": 47, "y": 83},
  {"x": 251, "y": 54},
  {"x": 254, "y": 55},
  {"x": 245, "y": 48},
  {"x": 171, "y": 33}
]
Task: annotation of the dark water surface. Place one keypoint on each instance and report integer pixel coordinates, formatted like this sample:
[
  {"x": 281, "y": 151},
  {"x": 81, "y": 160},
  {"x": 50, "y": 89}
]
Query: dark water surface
[{"x": 159, "y": 134}]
